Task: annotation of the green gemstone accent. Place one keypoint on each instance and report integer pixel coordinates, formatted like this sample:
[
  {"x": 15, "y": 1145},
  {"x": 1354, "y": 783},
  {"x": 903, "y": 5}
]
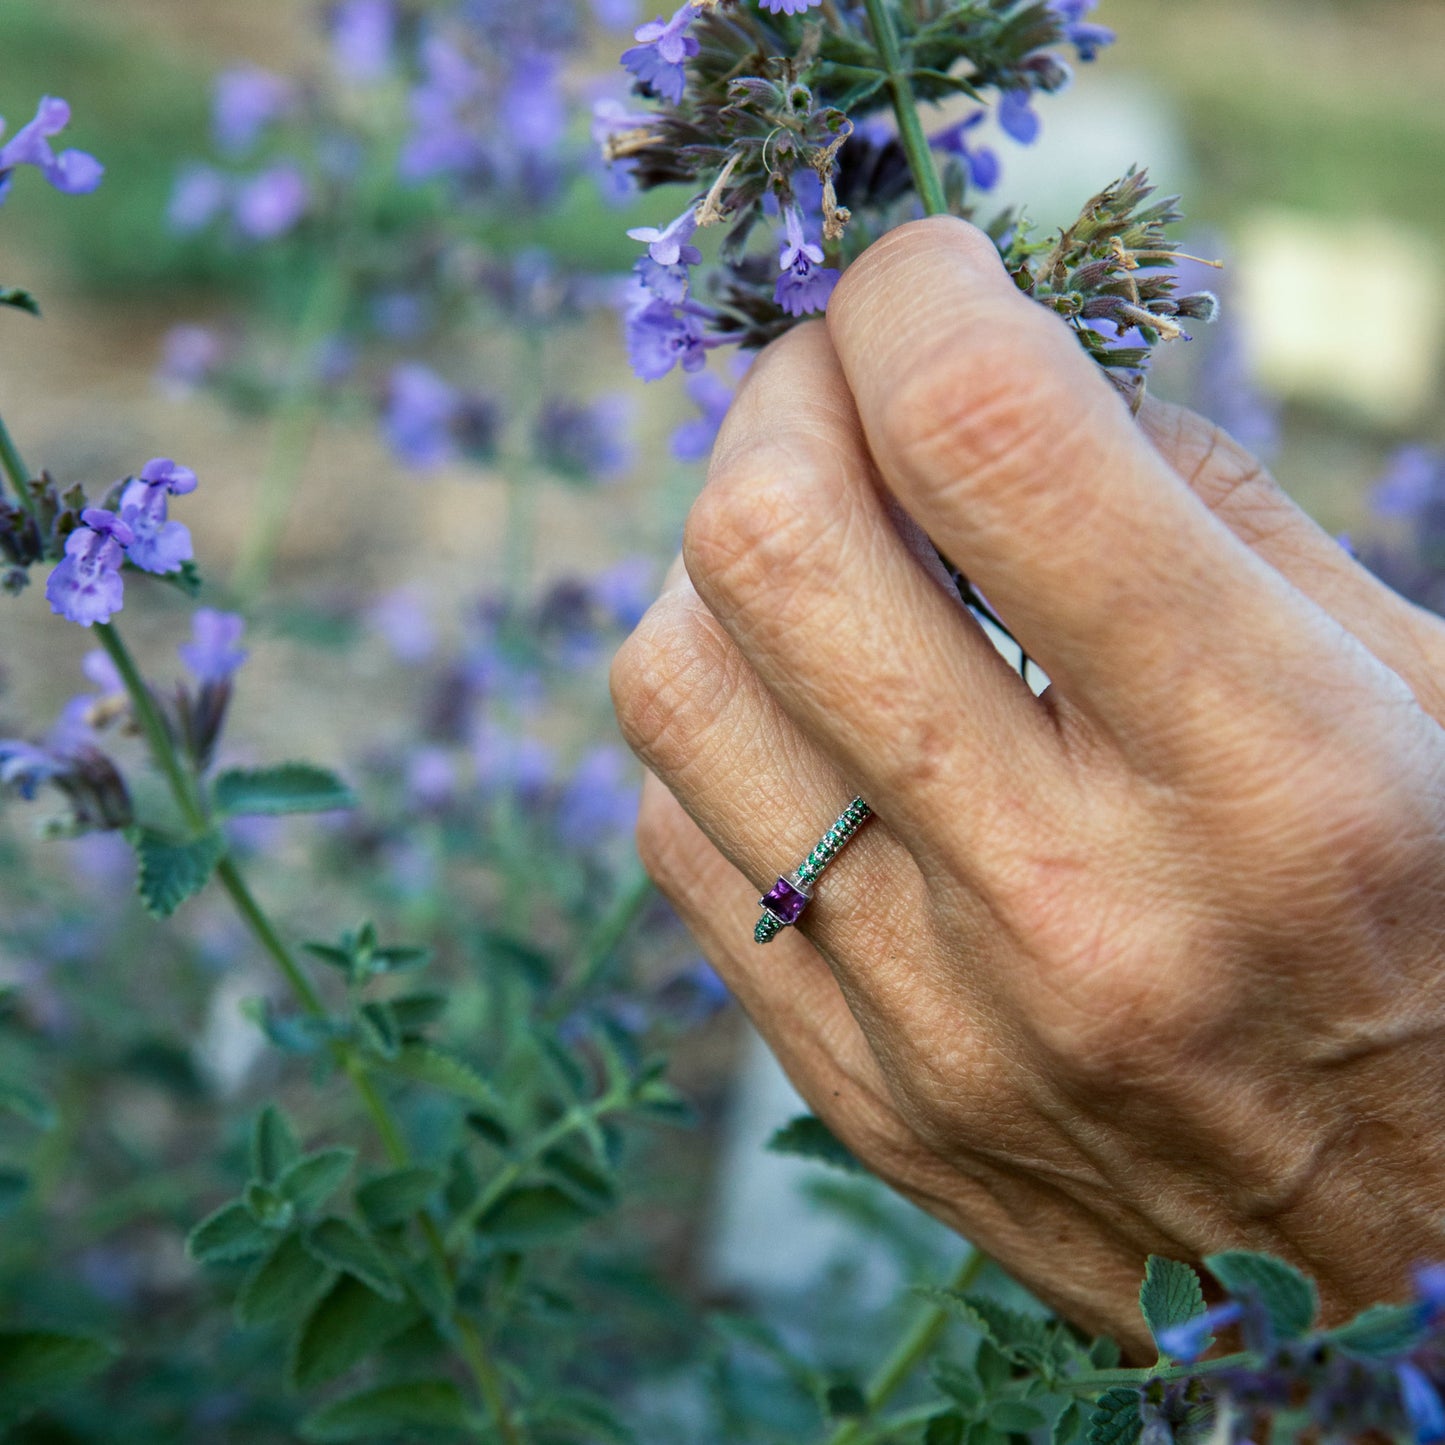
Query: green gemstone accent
[{"x": 828, "y": 847}]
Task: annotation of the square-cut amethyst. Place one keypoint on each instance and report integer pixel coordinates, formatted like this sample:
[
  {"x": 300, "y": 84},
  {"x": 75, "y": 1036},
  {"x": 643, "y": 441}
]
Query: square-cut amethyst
[{"x": 785, "y": 901}]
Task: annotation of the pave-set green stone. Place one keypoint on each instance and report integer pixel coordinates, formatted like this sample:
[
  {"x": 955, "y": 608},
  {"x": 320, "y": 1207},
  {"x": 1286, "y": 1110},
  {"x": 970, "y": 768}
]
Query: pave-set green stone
[{"x": 784, "y": 903}]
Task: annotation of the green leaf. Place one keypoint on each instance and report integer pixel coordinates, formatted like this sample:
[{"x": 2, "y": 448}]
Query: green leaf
[
  {"x": 1381, "y": 1330},
  {"x": 845, "y": 1402},
  {"x": 267, "y": 1207},
  {"x": 170, "y": 870},
  {"x": 960, "y": 1385},
  {"x": 28, "y": 1105},
  {"x": 14, "y": 1184},
  {"x": 397, "y": 958},
  {"x": 38, "y": 1365},
  {"x": 1116, "y": 1419},
  {"x": 1013, "y": 1417},
  {"x": 1070, "y": 1424},
  {"x": 287, "y": 788},
  {"x": 414, "y": 1012},
  {"x": 424, "y": 1064},
  {"x": 591, "y": 1186},
  {"x": 274, "y": 1145},
  {"x": 379, "y": 1029},
  {"x": 532, "y": 1215},
  {"x": 283, "y": 1284},
  {"x": 1018, "y": 1336},
  {"x": 20, "y": 299},
  {"x": 1285, "y": 1295},
  {"x": 310, "y": 1182},
  {"x": 808, "y": 1137},
  {"x": 586, "y": 1414},
  {"x": 231, "y": 1233},
  {"x": 329, "y": 953},
  {"x": 994, "y": 1370},
  {"x": 947, "y": 1429},
  {"x": 340, "y": 1244},
  {"x": 345, "y": 1326},
  {"x": 391, "y": 1199},
  {"x": 416, "y": 1405},
  {"x": 1170, "y": 1295}
]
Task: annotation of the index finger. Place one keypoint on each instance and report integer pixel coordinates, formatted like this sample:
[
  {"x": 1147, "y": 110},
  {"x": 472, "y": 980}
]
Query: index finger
[{"x": 1001, "y": 437}]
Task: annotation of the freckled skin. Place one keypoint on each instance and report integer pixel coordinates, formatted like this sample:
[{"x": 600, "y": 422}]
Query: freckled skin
[{"x": 1152, "y": 964}]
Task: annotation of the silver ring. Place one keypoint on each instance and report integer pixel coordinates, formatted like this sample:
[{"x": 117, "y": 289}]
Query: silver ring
[{"x": 784, "y": 902}]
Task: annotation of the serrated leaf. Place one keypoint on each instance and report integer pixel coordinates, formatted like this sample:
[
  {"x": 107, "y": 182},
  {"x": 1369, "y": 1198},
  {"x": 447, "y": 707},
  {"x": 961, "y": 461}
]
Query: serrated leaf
[
  {"x": 28, "y": 1105},
  {"x": 310, "y": 1182},
  {"x": 1018, "y": 1336},
  {"x": 20, "y": 299},
  {"x": 845, "y": 1402},
  {"x": 1281, "y": 1291},
  {"x": 1170, "y": 1295},
  {"x": 533, "y": 1214},
  {"x": 992, "y": 1365},
  {"x": 958, "y": 1384},
  {"x": 340, "y": 1244},
  {"x": 231, "y": 1233},
  {"x": 1381, "y": 1330},
  {"x": 36, "y": 1366},
  {"x": 172, "y": 870},
  {"x": 286, "y": 788},
  {"x": 415, "y": 1405},
  {"x": 274, "y": 1145},
  {"x": 346, "y": 1324},
  {"x": 808, "y": 1137},
  {"x": 285, "y": 1283},
  {"x": 392, "y": 1198},
  {"x": 425, "y": 1064},
  {"x": 1116, "y": 1419}
]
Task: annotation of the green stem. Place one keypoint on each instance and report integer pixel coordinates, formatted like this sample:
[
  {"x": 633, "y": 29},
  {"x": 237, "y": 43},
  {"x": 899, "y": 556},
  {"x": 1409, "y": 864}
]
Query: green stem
[
  {"x": 910, "y": 1351},
  {"x": 192, "y": 806},
  {"x": 14, "y": 468},
  {"x": 905, "y": 107},
  {"x": 610, "y": 931},
  {"x": 294, "y": 429}
]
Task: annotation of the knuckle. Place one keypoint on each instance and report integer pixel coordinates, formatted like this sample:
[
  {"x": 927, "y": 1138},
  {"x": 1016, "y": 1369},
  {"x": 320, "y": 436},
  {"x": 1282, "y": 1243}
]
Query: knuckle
[{"x": 666, "y": 680}]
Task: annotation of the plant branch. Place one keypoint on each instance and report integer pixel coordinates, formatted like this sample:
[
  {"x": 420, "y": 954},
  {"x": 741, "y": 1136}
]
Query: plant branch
[
  {"x": 14, "y": 468},
  {"x": 905, "y": 107}
]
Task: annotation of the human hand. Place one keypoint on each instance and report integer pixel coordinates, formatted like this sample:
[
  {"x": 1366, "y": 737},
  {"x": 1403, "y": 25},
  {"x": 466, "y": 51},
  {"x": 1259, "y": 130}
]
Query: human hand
[{"x": 1151, "y": 963}]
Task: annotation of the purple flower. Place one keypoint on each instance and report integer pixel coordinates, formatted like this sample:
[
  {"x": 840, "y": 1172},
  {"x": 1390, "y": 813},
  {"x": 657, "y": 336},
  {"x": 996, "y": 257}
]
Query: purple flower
[
  {"x": 982, "y": 163},
  {"x": 1017, "y": 116},
  {"x": 272, "y": 202},
  {"x": 199, "y": 195},
  {"x": 72, "y": 172},
  {"x": 787, "y": 7},
  {"x": 420, "y": 410},
  {"x": 176, "y": 480},
  {"x": 523, "y": 766},
  {"x": 160, "y": 545},
  {"x": 400, "y": 619},
  {"x": 692, "y": 441},
  {"x": 363, "y": 34},
  {"x": 190, "y": 356},
  {"x": 1414, "y": 479},
  {"x": 625, "y": 590},
  {"x": 663, "y": 271},
  {"x": 1187, "y": 1341},
  {"x": 660, "y": 61},
  {"x": 659, "y": 338},
  {"x": 246, "y": 102},
  {"x": 600, "y": 799},
  {"x": 615, "y": 14},
  {"x": 533, "y": 112},
  {"x": 443, "y": 140},
  {"x": 586, "y": 440},
  {"x": 214, "y": 652},
  {"x": 805, "y": 284},
  {"x": 86, "y": 585},
  {"x": 24, "y": 767},
  {"x": 431, "y": 777},
  {"x": 1087, "y": 38},
  {"x": 1423, "y": 1405}
]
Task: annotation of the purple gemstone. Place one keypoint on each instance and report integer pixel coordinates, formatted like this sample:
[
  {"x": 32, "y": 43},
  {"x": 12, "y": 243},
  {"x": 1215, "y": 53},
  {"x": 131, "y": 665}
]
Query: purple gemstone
[{"x": 785, "y": 901}]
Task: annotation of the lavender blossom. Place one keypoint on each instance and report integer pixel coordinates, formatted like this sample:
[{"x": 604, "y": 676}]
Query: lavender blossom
[
  {"x": 443, "y": 140},
  {"x": 272, "y": 202},
  {"x": 600, "y": 799},
  {"x": 86, "y": 585},
  {"x": 157, "y": 544},
  {"x": 589, "y": 441},
  {"x": 1017, "y": 117},
  {"x": 981, "y": 161},
  {"x": 660, "y": 337},
  {"x": 190, "y": 357},
  {"x": 401, "y": 620},
  {"x": 246, "y": 102},
  {"x": 692, "y": 441},
  {"x": 787, "y": 7},
  {"x": 214, "y": 653},
  {"x": 1087, "y": 38},
  {"x": 1187, "y": 1341},
  {"x": 420, "y": 410},
  {"x": 659, "y": 60},
  {"x": 1423, "y": 1406},
  {"x": 72, "y": 172},
  {"x": 805, "y": 284},
  {"x": 363, "y": 38},
  {"x": 672, "y": 245},
  {"x": 199, "y": 196}
]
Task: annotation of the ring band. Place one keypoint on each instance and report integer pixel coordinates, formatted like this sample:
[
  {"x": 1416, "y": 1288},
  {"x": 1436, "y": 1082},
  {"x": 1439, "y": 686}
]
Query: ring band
[{"x": 784, "y": 902}]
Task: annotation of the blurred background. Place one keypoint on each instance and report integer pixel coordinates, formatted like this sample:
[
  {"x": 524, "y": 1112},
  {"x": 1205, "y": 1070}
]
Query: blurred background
[{"x": 1308, "y": 142}]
